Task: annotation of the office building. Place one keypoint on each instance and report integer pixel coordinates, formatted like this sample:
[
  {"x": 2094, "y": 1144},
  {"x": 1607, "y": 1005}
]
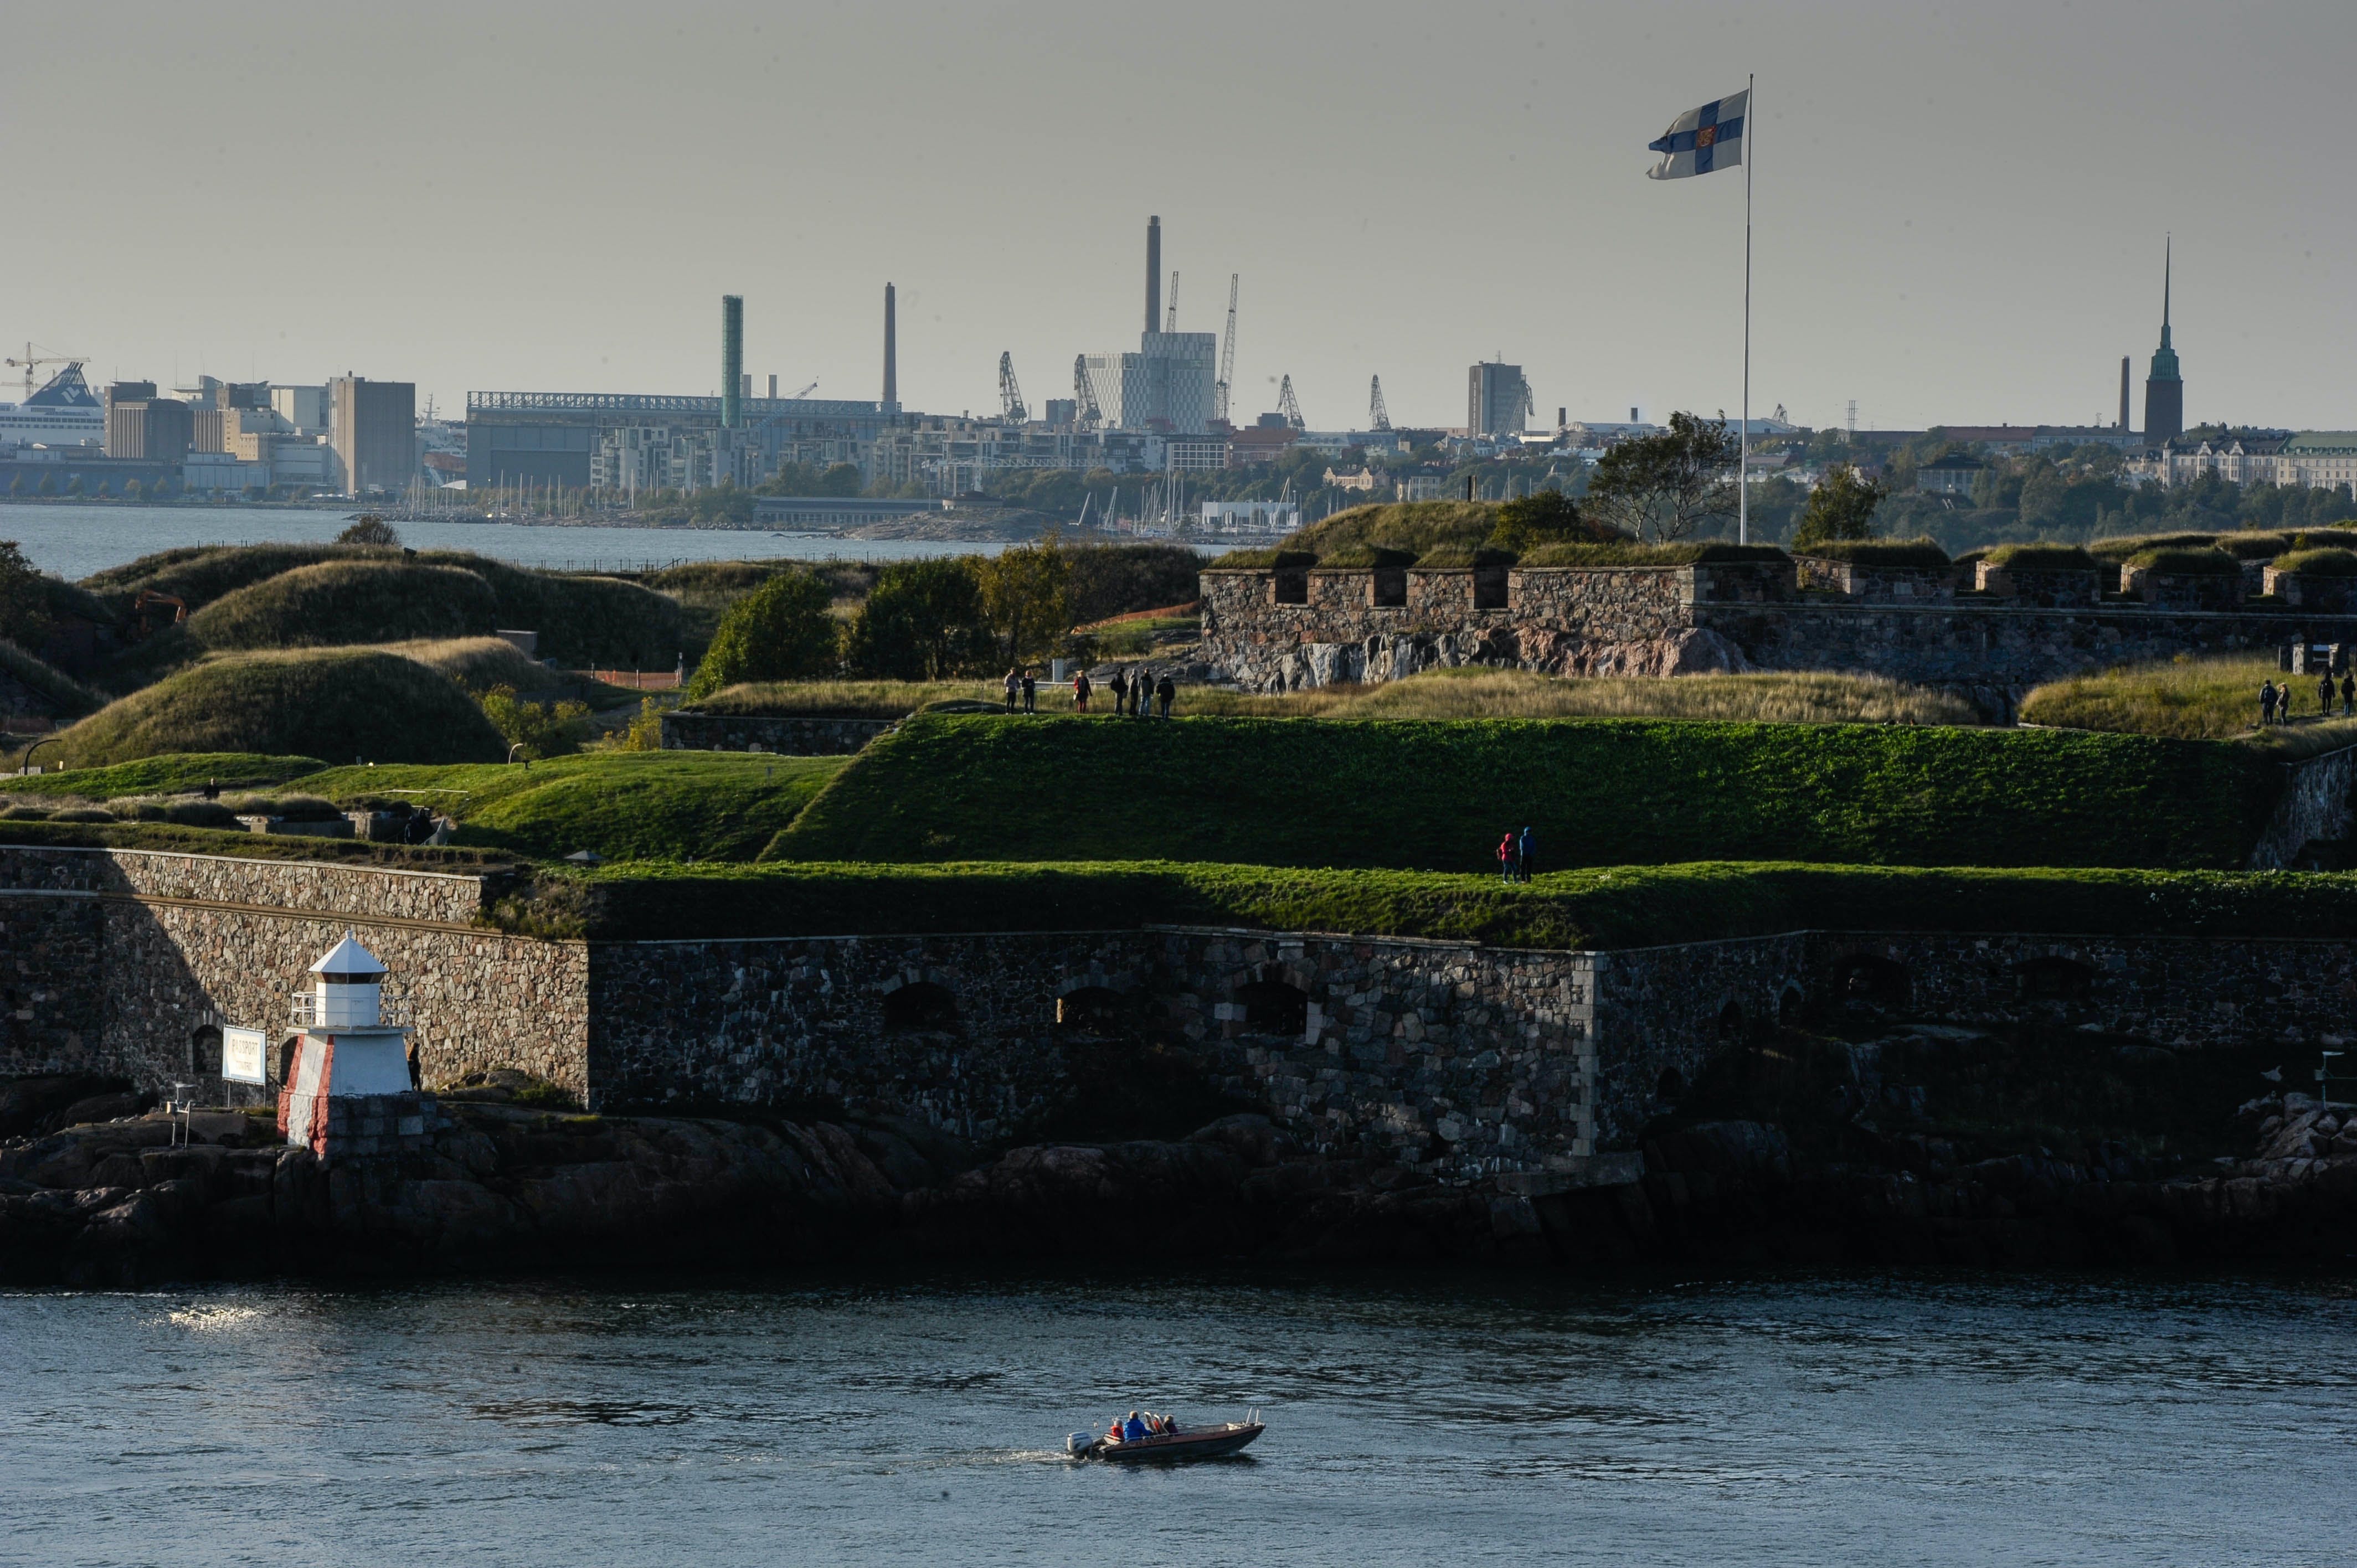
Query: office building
[
  {"x": 373, "y": 429},
  {"x": 2164, "y": 390},
  {"x": 1497, "y": 399},
  {"x": 144, "y": 427}
]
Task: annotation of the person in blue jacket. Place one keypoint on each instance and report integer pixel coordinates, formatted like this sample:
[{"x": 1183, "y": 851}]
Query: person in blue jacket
[
  {"x": 1133, "y": 1428},
  {"x": 1530, "y": 849}
]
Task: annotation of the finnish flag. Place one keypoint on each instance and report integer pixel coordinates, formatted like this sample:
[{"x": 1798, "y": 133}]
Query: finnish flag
[{"x": 1701, "y": 140}]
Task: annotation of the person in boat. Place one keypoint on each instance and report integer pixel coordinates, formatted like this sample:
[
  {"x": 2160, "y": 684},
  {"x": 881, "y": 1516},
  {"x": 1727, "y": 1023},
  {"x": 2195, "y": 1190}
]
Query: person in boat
[{"x": 1134, "y": 1429}]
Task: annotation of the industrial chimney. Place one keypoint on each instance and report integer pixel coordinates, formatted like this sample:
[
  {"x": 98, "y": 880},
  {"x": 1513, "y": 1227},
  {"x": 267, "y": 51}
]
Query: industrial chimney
[
  {"x": 1154, "y": 274},
  {"x": 2124, "y": 392},
  {"x": 891, "y": 352},
  {"x": 732, "y": 359}
]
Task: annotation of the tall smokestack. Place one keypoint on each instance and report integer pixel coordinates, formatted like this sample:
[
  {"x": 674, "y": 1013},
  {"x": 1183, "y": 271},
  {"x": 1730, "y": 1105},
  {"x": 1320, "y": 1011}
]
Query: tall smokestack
[
  {"x": 1154, "y": 274},
  {"x": 732, "y": 359},
  {"x": 2124, "y": 392},
  {"x": 891, "y": 350}
]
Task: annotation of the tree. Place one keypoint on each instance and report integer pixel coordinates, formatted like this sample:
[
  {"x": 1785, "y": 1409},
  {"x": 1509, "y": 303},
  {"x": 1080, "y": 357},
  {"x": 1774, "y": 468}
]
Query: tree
[
  {"x": 134, "y": 490},
  {"x": 74, "y": 486},
  {"x": 1840, "y": 508},
  {"x": 542, "y": 729},
  {"x": 923, "y": 621},
  {"x": 370, "y": 530},
  {"x": 1026, "y": 591},
  {"x": 24, "y": 599},
  {"x": 1667, "y": 486},
  {"x": 784, "y": 630}
]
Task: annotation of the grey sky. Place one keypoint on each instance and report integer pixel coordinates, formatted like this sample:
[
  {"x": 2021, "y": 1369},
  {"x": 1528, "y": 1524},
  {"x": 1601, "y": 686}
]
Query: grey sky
[{"x": 1960, "y": 207}]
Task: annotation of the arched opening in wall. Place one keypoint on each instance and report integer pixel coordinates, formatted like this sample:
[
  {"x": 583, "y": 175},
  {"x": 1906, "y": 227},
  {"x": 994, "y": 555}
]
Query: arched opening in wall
[
  {"x": 1272, "y": 1007},
  {"x": 1730, "y": 1021},
  {"x": 1391, "y": 587},
  {"x": 1792, "y": 1007},
  {"x": 1292, "y": 588},
  {"x": 1866, "y": 983},
  {"x": 2054, "y": 979},
  {"x": 1091, "y": 1010},
  {"x": 1488, "y": 587},
  {"x": 920, "y": 1005},
  {"x": 205, "y": 1049},
  {"x": 1671, "y": 1085}
]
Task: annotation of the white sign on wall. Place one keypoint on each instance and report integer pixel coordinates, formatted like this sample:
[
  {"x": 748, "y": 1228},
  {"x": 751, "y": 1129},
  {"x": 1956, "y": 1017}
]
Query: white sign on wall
[{"x": 245, "y": 1055}]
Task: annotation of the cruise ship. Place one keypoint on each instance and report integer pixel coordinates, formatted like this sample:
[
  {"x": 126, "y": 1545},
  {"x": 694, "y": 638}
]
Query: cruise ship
[{"x": 65, "y": 413}]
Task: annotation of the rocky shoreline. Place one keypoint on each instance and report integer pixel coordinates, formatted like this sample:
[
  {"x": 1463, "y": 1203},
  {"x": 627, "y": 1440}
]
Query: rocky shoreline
[{"x": 121, "y": 1202}]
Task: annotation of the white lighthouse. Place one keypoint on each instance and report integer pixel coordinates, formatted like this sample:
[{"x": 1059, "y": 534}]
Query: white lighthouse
[{"x": 346, "y": 1049}]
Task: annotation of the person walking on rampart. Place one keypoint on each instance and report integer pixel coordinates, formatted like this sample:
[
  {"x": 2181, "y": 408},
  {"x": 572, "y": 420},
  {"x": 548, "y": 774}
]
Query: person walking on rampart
[
  {"x": 1080, "y": 691},
  {"x": 1525, "y": 851},
  {"x": 1506, "y": 866},
  {"x": 1120, "y": 684},
  {"x": 1014, "y": 684},
  {"x": 1030, "y": 694},
  {"x": 2324, "y": 697},
  {"x": 1141, "y": 702},
  {"x": 1168, "y": 691},
  {"x": 2266, "y": 703}
]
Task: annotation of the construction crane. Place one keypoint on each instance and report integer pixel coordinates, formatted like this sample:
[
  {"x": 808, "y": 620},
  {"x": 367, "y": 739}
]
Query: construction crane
[
  {"x": 1172, "y": 324},
  {"x": 1378, "y": 416},
  {"x": 1227, "y": 357},
  {"x": 807, "y": 391},
  {"x": 1010, "y": 396},
  {"x": 32, "y": 361},
  {"x": 1287, "y": 406},
  {"x": 1085, "y": 413}
]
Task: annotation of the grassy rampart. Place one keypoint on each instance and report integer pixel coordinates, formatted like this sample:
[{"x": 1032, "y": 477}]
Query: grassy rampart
[
  {"x": 1436, "y": 796},
  {"x": 663, "y": 805},
  {"x": 1611, "y": 907}
]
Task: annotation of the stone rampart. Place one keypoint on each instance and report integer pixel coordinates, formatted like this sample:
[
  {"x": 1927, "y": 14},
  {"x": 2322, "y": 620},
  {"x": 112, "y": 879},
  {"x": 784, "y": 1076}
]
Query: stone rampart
[
  {"x": 1660, "y": 620},
  {"x": 141, "y": 958},
  {"x": 2313, "y": 825},
  {"x": 689, "y": 730}
]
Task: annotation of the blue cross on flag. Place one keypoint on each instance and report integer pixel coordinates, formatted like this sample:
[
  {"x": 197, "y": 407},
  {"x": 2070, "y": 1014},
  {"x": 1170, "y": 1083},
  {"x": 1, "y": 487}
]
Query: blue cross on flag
[{"x": 1701, "y": 140}]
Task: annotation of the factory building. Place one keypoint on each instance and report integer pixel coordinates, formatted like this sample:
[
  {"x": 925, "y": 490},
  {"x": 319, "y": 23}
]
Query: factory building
[
  {"x": 144, "y": 427},
  {"x": 1166, "y": 386},
  {"x": 372, "y": 425}
]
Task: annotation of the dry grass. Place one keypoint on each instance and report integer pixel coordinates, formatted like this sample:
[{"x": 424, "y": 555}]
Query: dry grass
[
  {"x": 2190, "y": 699},
  {"x": 1477, "y": 693},
  {"x": 1469, "y": 694}
]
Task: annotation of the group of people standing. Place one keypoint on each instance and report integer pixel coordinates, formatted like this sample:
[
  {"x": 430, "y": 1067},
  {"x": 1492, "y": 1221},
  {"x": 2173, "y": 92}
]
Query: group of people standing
[
  {"x": 2274, "y": 701},
  {"x": 1516, "y": 854},
  {"x": 1135, "y": 693}
]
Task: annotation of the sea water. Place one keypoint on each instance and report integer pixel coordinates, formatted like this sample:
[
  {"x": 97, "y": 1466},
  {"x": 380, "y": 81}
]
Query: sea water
[
  {"x": 72, "y": 541},
  {"x": 1462, "y": 1419}
]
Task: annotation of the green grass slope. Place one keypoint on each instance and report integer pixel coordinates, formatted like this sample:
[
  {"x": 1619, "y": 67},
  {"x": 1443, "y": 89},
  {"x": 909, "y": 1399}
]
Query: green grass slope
[
  {"x": 663, "y": 805},
  {"x": 1435, "y": 795},
  {"x": 339, "y": 603},
  {"x": 332, "y": 702},
  {"x": 1614, "y": 906},
  {"x": 169, "y": 775}
]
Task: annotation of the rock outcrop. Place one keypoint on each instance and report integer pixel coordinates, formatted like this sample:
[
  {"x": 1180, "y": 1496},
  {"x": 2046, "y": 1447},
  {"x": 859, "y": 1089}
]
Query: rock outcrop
[{"x": 126, "y": 1202}]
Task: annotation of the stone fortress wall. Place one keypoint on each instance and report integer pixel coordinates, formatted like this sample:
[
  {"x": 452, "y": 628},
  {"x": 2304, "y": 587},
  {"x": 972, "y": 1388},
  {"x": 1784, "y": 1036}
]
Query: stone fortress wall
[
  {"x": 1442, "y": 1054},
  {"x": 1993, "y": 637}
]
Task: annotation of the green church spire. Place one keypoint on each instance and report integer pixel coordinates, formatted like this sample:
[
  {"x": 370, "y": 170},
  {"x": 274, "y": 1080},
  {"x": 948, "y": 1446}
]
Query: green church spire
[{"x": 2164, "y": 359}]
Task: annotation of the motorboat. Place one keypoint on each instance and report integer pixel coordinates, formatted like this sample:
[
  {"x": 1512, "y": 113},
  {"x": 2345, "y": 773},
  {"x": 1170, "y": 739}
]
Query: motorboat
[{"x": 1191, "y": 1442}]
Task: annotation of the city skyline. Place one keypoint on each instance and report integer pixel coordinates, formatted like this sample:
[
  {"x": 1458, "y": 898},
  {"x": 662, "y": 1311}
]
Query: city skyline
[{"x": 533, "y": 200}]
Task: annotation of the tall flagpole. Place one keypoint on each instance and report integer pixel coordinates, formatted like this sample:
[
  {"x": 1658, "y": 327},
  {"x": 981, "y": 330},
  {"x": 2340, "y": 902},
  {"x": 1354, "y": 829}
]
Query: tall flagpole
[{"x": 1743, "y": 437}]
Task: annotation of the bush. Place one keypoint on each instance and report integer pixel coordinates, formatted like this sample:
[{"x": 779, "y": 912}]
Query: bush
[
  {"x": 27, "y": 813},
  {"x": 200, "y": 814},
  {"x": 1839, "y": 510},
  {"x": 2040, "y": 558},
  {"x": 542, "y": 729},
  {"x": 1120, "y": 579},
  {"x": 1433, "y": 795},
  {"x": 923, "y": 621},
  {"x": 1542, "y": 518},
  {"x": 344, "y": 602},
  {"x": 2319, "y": 562},
  {"x": 82, "y": 814},
  {"x": 339, "y": 703},
  {"x": 2183, "y": 563},
  {"x": 781, "y": 631},
  {"x": 2124, "y": 546},
  {"x": 374, "y": 531},
  {"x": 293, "y": 808},
  {"x": 1921, "y": 554}
]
